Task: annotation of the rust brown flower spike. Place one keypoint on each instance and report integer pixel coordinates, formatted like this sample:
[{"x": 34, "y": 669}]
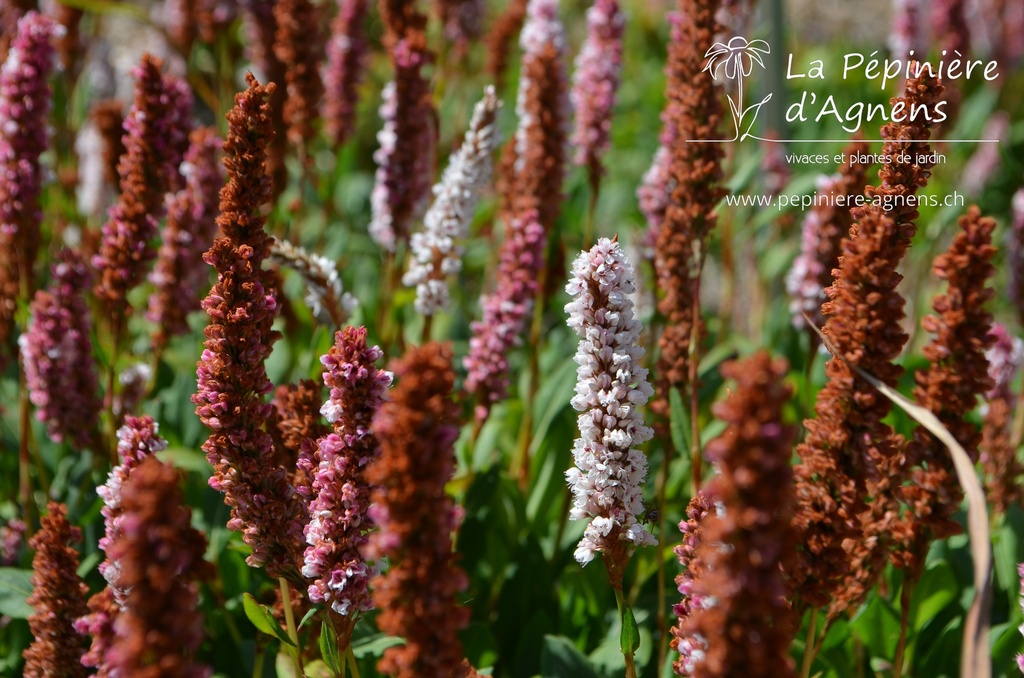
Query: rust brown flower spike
[
  {"x": 297, "y": 414},
  {"x": 501, "y": 39},
  {"x": 299, "y": 45},
  {"x": 692, "y": 111},
  {"x": 156, "y": 138},
  {"x": 160, "y": 627},
  {"x": 231, "y": 372},
  {"x": 534, "y": 160},
  {"x": 58, "y": 598},
  {"x": 824, "y": 229},
  {"x": 405, "y": 157},
  {"x": 295, "y": 422},
  {"x": 956, "y": 376},
  {"x": 180, "y": 278},
  {"x": 261, "y": 33},
  {"x": 850, "y": 454},
  {"x": 416, "y": 429},
  {"x": 108, "y": 116},
  {"x": 747, "y": 623}
]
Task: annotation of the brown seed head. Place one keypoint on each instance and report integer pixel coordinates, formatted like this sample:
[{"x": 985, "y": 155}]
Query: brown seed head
[
  {"x": 416, "y": 429},
  {"x": 58, "y": 598}
]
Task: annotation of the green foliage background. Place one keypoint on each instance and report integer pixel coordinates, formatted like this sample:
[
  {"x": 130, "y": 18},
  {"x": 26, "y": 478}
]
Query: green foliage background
[{"x": 534, "y": 610}]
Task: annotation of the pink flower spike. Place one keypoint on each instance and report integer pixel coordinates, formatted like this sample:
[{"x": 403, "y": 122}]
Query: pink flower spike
[
  {"x": 56, "y": 348},
  {"x": 179, "y": 278},
  {"x": 136, "y": 440},
  {"x": 338, "y": 521},
  {"x": 504, "y": 313},
  {"x": 437, "y": 249},
  {"x": 1020, "y": 573},
  {"x": 405, "y": 158},
  {"x": 1005, "y": 357},
  {"x": 25, "y": 98},
  {"x": 691, "y": 647},
  {"x": 595, "y": 82},
  {"x": 346, "y": 52},
  {"x": 608, "y": 477}
]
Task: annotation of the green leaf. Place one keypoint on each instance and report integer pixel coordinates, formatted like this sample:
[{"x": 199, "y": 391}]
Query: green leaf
[
  {"x": 1006, "y": 644},
  {"x": 553, "y": 397},
  {"x": 309, "y": 615},
  {"x": 263, "y": 620},
  {"x": 1005, "y": 547},
  {"x": 679, "y": 425},
  {"x": 186, "y": 459},
  {"x": 838, "y": 634},
  {"x": 106, "y": 7},
  {"x": 329, "y": 648},
  {"x": 629, "y": 639},
  {"x": 548, "y": 466},
  {"x": 937, "y": 589},
  {"x": 608, "y": 658},
  {"x": 374, "y": 645},
  {"x": 878, "y": 625},
  {"x": 239, "y": 546},
  {"x": 15, "y": 587},
  {"x": 318, "y": 669},
  {"x": 89, "y": 563},
  {"x": 943, "y": 657},
  {"x": 560, "y": 658},
  {"x": 284, "y": 666}
]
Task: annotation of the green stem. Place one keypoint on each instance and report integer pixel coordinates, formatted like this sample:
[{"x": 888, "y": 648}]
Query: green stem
[
  {"x": 257, "y": 666},
  {"x": 428, "y": 322},
  {"x": 332, "y": 628},
  {"x": 726, "y": 310},
  {"x": 154, "y": 368},
  {"x": 24, "y": 476},
  {"x": 809, "y": 649},
  {"x": 696, "y": 456},
  {"x": 521, "y": 464},
  {"x": 901, "y": 646},
  {"x": 471, "y": 448},
  {"x": 1017, "y": 429},
  {"x": 24, "y": 418},
  {"x": 820, "y": 640},
  {"x": 350, "y": 658},
  {"x": 289, "y": 618},
  {"x": 628, "y": 656},
  {"x": 588, "y": 224},
  {"x": 858, "y": 654},
  {"x": 217, "y": 592},
  {"x": 812, "y": 352},
  {"x": 384, "y": 302},
  {"x": 115, "y": 353},
  {"x": 660, "y": 492},
  {"x": 395, "y": 285},
  {"x": 696, "y": 453},
  {"x": 563, "y": 520},
  {"x": 478, "y": 426}
]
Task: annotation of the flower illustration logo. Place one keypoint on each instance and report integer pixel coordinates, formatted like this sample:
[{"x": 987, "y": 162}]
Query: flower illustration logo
[
  {"x": 738, "y": 56},
  {"x": 736, "y": 60}
]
